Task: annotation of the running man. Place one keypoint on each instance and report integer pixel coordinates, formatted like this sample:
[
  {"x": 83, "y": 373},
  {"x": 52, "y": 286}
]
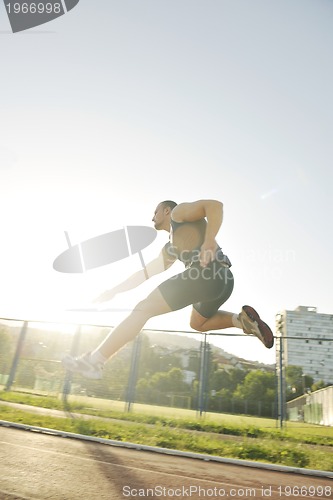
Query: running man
[{"x": 206, "y": 284}]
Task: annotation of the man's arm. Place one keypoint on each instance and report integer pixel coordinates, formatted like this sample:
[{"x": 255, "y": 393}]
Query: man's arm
[
  {"x": 156, "y": 266},
  {"x": 212, "y": 210}
]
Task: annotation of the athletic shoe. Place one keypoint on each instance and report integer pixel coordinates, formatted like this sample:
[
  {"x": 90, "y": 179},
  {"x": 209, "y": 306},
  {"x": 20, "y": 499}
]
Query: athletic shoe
[
  {"x": 253, "y": 325},
  {"x": 83, "y": 366}
]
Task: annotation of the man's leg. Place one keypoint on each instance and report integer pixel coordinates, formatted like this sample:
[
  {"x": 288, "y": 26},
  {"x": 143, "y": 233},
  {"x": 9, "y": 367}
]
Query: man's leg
[
  {"x": 220, "y": 321},
  {"x": 91, "y": 365},
  {"x": 248, "y": 320},
  {"x": 127, "y": 330}
]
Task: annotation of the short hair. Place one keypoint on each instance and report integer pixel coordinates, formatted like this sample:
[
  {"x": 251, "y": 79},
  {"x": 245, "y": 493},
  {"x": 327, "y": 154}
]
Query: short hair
[{"x": 168, "y": 203}]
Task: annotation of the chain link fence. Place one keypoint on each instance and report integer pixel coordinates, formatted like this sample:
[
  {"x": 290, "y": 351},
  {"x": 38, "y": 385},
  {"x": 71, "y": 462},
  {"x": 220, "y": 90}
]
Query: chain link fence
[{"x": 157, "y": 368}]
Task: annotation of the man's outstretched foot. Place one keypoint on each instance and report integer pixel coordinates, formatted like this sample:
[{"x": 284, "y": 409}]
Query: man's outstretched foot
[
  {"x": 83, "y": 366},
  {"x": 253, "y": 325}
]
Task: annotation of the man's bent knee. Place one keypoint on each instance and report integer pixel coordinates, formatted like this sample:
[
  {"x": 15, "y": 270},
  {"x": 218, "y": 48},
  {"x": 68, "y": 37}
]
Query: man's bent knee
[{"x": 198, "y": 325}]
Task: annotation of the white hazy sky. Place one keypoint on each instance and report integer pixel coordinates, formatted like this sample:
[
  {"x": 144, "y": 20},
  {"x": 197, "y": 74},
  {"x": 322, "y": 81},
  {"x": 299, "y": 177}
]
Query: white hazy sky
[{"x": 123, "y": 103}]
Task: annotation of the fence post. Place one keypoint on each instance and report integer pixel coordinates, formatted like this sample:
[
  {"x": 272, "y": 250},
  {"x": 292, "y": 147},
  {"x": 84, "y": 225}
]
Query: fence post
[
  {"x": 130, "y": 393},
  {"x": 69, "y": 375},
  {"x": 203, "y": 375},
  {"x": 17, "y": 356},
  {"x": 281, "y": 385}
]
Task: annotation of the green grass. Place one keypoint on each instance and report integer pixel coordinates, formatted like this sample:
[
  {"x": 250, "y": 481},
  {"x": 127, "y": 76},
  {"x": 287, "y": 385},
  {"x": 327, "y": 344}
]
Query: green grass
[
  {"x": 299, "y": 445},
  {"x": 234, "y": 425}
]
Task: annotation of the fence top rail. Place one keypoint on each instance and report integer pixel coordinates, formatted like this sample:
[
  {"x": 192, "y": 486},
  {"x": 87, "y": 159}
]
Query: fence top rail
[
  {"x": 69, "y": 323},
  {"x": 192, "y": 332}
]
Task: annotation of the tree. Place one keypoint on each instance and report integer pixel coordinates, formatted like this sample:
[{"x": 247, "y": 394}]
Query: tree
[
  {"x": 297, "y": 382},
  {"x": 319, "y": 385},
  {"x": 223, "y": 379},
  {"x": 172, "y": 381},
  {"x": 223, "y": 383},
  {"x": 153, "y": 359},
  {"x": 160, "y": 385},
  {"x": 258, "y": 386}
]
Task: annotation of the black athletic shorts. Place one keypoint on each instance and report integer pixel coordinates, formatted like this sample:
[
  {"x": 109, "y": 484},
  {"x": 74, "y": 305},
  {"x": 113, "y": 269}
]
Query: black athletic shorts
[{"x": 206, "y": 288}]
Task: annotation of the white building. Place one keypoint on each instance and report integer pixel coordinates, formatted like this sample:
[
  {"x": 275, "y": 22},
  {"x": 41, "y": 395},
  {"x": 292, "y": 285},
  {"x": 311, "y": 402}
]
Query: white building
[
  {"x": 307, "y": 341},
  {"x": 314, "y": 408}
]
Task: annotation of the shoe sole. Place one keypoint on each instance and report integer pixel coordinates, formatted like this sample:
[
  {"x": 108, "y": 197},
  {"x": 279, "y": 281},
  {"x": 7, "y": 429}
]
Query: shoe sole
[{"x": 265, "y": 334}]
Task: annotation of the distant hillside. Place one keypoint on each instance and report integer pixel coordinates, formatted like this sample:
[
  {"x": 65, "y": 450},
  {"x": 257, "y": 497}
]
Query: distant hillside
[
  {"x": 172, "y": 341},
  {"x": 181, "y": 341}
]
